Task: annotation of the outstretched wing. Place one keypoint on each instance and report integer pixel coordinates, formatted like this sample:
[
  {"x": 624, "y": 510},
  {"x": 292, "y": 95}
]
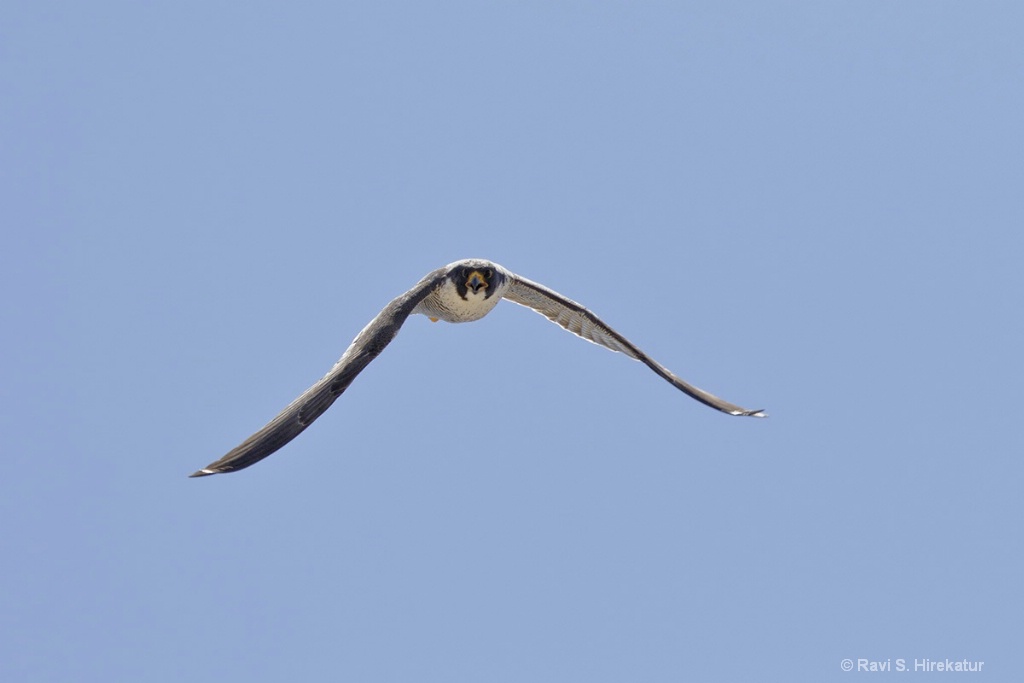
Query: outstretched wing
[
  {"x": 301, "y": 412},
  {"x": 581, "y": 322}
]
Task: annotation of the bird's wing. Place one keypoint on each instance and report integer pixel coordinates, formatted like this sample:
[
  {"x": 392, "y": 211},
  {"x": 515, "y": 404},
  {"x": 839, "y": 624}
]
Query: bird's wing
[
  {"x": 581, "y": 322},
  {"x": 301, "y": 412}
]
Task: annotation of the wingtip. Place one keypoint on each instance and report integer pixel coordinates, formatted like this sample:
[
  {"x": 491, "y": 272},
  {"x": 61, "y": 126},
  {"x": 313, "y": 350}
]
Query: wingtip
[{"x": 202, "y": 473}]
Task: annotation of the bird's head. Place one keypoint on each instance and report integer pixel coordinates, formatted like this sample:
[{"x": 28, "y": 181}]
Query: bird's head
[{"x": 476, "y": 277}]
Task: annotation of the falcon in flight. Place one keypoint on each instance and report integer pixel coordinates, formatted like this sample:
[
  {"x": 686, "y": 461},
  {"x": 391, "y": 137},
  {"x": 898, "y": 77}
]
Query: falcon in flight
[{"x": 460, "y": 292}]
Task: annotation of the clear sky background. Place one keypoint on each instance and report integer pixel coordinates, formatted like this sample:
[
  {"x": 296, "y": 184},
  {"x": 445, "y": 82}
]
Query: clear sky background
[{"x": 814, "y": 208}]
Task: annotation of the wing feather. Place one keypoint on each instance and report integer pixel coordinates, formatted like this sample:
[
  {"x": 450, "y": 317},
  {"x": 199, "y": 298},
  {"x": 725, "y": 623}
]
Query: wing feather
[
  {"x": 301, "y": 412},
  {"x": 583, "y": 323}
]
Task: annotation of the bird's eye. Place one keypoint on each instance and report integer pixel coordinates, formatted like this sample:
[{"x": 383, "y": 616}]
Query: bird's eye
[{"x": 488, "y": 273}]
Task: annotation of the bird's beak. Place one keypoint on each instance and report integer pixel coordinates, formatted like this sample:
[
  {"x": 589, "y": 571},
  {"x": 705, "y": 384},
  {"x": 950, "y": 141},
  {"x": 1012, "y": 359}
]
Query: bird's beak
[{"x": 475, "y": 281}]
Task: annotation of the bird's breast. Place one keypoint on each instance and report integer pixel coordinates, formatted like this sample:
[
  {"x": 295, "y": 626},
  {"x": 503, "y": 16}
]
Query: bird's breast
[{"x": 445, "y": 303}]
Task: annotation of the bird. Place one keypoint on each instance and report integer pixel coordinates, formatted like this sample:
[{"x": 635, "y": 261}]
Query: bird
[{"x": 460, "y": 292}]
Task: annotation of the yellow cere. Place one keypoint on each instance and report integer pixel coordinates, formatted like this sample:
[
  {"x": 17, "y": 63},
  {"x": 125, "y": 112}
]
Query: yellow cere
[{"x": 475, "y": 278}]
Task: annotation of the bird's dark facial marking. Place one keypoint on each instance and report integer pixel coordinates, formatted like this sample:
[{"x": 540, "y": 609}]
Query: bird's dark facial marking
[{"x": 475, "y": 279}]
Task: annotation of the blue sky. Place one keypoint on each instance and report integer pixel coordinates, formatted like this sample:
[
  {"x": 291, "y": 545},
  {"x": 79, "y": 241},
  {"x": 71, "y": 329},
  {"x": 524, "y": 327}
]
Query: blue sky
[{"x": 815, "y": 208}]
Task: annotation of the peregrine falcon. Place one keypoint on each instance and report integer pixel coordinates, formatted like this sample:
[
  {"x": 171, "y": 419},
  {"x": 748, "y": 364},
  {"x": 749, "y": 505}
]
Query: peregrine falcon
[{"x": 460, "y": 292}]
